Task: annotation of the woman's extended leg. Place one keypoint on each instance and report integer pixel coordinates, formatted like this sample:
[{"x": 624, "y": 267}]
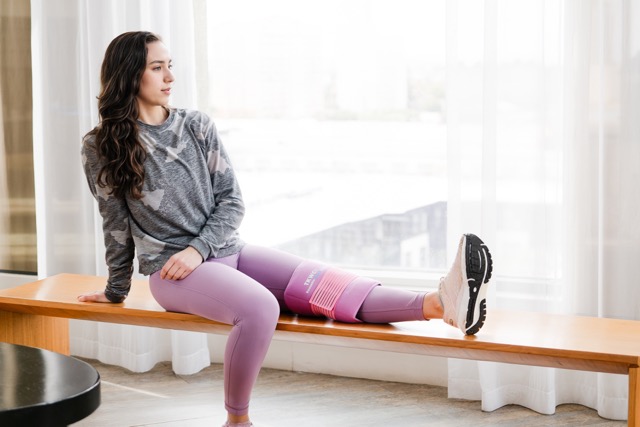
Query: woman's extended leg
[
  {"x": 460, "y": 300},
  {"x": 386, "y": 305},
  {"x": 221, "y": 293},
  {"x": 274, "y": 269},
  {"x": 270, "y": 267}
]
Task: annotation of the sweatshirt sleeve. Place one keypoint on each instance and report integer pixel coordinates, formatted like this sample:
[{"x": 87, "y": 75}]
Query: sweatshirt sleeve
[
  {"x": 119, "y": 245},
  {"x": 228, "y": 210}
]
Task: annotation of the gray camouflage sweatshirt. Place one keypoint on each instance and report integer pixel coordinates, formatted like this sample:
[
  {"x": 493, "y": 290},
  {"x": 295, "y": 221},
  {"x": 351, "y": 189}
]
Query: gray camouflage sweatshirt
[{"x": 190, "y": 198}]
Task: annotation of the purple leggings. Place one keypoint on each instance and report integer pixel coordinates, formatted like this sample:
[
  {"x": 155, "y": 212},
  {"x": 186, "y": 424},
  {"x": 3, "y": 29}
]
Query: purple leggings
[{"x": 246, "y": 290}]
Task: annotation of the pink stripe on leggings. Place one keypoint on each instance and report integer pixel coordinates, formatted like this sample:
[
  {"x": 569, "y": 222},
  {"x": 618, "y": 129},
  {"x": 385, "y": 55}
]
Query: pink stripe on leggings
[{"x": 331, "y": 287}]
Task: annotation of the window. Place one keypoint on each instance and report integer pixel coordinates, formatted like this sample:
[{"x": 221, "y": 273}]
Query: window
[
  {"x": 333, "y": 116},
  {"x": 17, "y": 202}
]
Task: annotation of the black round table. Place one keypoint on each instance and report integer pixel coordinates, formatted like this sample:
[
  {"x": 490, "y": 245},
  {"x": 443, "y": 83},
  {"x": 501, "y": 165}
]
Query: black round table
[{"x": 42, "y": 388}]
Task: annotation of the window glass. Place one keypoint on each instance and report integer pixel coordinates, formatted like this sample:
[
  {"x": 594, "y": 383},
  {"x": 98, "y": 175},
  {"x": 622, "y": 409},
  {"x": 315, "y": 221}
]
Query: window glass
[{"x": 333, "y": 116}]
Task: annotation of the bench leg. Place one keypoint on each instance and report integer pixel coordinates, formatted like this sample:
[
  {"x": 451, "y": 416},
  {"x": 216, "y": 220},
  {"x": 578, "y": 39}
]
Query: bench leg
[
  {"x": 634, "y": 397},
  {"x": 49, "y": 333}
]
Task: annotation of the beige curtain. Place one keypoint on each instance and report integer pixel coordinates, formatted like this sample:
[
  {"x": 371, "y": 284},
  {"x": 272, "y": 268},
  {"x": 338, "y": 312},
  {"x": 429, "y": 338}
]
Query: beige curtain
[
  {"x": 17, "y": 209},
  {"x": 4, "y": 194}
]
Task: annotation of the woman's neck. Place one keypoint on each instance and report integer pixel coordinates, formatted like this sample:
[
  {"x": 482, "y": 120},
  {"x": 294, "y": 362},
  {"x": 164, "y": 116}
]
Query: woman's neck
[{"x": 153, "y": 116}]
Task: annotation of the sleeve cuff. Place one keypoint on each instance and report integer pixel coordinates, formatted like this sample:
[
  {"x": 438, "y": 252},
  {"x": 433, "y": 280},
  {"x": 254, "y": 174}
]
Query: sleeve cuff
[
  {"x": 202, "y": 248},
  {"x": 113, "y": 296}
]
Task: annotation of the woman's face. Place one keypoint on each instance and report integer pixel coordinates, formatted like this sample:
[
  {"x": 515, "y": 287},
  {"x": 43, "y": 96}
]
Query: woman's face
[{"x": 155, "y": 85}]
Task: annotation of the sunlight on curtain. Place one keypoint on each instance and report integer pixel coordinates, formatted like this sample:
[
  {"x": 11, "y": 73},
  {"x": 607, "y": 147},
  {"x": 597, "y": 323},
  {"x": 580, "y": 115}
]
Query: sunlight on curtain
[{"x": 543, "y": 162}]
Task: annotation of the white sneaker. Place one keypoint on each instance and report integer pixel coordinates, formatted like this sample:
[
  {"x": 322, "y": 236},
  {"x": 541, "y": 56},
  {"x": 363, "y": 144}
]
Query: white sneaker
[{"x": 463, "y": 290}]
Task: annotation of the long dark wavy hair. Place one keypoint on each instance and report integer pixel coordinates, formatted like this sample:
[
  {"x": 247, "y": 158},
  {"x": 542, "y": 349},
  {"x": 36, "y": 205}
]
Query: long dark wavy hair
[{"x": 117, "y": 141}]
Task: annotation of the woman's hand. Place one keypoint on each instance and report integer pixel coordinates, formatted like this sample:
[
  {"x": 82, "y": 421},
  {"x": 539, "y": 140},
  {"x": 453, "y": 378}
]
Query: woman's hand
[
  {"x": 180, "y": 265},
  {"x": 96, "y": 296}
]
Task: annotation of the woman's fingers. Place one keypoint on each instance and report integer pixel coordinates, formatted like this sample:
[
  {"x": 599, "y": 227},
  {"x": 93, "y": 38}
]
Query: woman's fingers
[
  {"x": 96, "y": 296},
  {"x": 181, "y": 264}
]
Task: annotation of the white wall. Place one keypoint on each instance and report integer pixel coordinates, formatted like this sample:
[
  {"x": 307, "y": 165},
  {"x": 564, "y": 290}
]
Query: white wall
[{"x": 9, "y": 280}]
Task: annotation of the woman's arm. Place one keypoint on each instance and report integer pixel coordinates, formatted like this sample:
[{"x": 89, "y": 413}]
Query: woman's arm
[
  {"x": 119, "y": 245},
  {"x": 228, "y": 210}
]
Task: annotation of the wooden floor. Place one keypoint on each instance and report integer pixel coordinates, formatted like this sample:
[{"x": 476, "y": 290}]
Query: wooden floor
[{"x": 287, "y": 399}]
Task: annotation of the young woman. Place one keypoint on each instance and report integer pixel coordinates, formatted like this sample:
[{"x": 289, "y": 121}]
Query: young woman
[{"x": 165, "y": 188}]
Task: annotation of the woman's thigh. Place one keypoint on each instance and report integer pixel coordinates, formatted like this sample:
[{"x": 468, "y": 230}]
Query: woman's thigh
[
  {"x": 270, "y": 267},
  {"x": 215, "y": 291}
]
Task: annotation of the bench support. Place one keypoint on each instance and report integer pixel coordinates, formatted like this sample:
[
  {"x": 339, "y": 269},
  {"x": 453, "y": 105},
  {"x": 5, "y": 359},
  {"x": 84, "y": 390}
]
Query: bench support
[
  {"x": 49, "y": 333},
  {"x": 634, "y": 396}
]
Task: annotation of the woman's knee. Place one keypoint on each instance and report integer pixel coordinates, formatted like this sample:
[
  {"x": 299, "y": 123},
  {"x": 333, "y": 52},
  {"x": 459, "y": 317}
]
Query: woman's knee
[{"x": 258, "y": 308}]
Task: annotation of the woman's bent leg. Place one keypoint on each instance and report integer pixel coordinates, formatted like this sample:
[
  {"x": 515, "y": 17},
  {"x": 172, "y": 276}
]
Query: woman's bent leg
[{"x": 221, "y": 293}]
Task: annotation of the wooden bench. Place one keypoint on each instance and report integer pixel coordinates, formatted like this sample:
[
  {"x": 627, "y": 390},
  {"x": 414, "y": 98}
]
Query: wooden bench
[{"x": 36, "y": 314}]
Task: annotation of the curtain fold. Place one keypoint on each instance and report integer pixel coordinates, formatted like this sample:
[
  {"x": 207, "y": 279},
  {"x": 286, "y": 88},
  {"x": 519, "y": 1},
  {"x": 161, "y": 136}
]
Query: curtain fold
[
  {"x": 17, "y": 233},
  {"x": 4, "y": 188},
  {"x": 557, "y": 152},
  {"x": 69, "y": 38}
]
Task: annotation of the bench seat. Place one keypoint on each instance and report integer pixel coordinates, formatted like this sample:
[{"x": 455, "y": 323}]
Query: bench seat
[{"x": 37, "y": 314}]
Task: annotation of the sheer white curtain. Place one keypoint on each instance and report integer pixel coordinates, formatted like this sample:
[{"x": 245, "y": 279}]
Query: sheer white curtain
[
  {"x": 69, "y": 38},
  {"x": 543, "y": 162},
  {"x": 542, "y": 149}
]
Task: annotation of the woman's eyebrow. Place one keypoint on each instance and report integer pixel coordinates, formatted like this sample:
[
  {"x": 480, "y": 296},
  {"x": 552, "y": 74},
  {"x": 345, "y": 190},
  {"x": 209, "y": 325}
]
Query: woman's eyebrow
[{"x": 159, "y": 61}]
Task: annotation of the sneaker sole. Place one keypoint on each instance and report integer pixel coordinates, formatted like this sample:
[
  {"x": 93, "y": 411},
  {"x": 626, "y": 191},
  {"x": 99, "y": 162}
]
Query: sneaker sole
[{"x": 479, "y": 266}]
